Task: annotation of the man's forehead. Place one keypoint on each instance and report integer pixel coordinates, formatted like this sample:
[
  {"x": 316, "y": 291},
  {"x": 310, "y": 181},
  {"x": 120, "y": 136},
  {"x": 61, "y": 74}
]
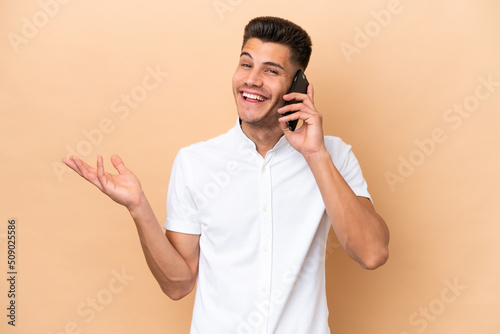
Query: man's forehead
[{"x": 266, "y": 52}]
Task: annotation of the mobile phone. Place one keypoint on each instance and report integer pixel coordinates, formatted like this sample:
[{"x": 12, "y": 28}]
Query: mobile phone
[{"x": 299, "y": 85}]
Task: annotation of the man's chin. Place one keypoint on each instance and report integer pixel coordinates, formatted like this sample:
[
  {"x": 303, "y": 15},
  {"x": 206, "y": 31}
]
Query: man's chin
[{"x": 269, "y": 122}]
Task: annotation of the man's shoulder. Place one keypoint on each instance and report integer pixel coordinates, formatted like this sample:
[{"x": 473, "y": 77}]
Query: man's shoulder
[
  {"x": 338, "y": 149},
  {"x": 333, "y": 142},
  {"x": 212, "y": 145}
]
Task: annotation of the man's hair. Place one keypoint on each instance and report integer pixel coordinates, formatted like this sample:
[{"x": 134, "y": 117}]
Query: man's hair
[{"x": 281, "y": 31}]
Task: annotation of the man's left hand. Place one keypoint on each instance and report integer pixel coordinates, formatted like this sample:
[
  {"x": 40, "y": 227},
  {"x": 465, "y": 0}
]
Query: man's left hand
[{"x": 308, "y": 139}]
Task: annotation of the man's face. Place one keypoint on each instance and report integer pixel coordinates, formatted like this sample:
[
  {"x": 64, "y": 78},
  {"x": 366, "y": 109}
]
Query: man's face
[{"x": 263, "y": 76}]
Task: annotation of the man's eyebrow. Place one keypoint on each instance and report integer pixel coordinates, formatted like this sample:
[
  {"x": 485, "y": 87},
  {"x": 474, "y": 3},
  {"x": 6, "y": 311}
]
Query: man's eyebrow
[{"x": 270, "y": 63}]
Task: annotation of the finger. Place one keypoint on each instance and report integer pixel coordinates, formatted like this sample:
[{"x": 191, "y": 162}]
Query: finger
[
  {"x": 298, "y": 116},
  {"x": 310, "y": 91},
  {"x": 83, "y": 170},
  {"x": 118, "y": 164},
  {"x": 101, "y": 175},
  {"x": 87, "y": 172},
  {"x": 80, "y": 162},
  {"x": 308, "y": 118},
  {"x": 294, "y": 96},
  {"x": 71, "y": 164},
  {"x": 284, "y": 127},
  {"x": 304, "y": 99},
  {"x": 309, "y": 98},
  {"x": 295, "y": 107},
  {"x": 290, "y": 117}
]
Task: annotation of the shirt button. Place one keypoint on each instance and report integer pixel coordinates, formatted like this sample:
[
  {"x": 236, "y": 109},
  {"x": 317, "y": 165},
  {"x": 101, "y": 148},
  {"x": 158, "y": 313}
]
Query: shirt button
[
  {"x": 264, "y": 208},
  {"x": 264, "y": 169}
]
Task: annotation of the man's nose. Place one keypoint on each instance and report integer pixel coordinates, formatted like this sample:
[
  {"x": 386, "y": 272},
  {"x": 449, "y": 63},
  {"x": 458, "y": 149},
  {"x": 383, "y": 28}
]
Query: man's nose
[{"x": 254, "y": 78}]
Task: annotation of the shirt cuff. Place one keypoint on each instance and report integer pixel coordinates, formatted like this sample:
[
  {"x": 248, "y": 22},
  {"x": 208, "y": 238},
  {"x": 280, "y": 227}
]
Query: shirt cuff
[{"x": 182, "y": 227}]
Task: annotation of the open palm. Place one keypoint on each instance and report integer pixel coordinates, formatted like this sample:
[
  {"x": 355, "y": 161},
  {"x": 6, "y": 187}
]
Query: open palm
[{"x": 123, "y": 188}]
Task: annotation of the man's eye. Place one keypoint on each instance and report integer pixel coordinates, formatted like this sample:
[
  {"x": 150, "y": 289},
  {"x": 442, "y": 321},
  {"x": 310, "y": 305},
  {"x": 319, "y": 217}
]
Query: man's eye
[
  {"x": 246, "y": 65},
  {"x": 272, "y": 71}
]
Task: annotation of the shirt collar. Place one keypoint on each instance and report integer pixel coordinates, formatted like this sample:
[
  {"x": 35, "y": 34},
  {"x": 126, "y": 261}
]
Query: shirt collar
[
  {"x": 248, "y": 142},
  {"x": 242, "y": 136}
]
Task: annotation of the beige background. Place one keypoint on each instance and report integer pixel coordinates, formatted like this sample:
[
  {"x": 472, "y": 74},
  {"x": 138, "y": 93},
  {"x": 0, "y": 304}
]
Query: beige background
[{"x": 385, "y": 84}]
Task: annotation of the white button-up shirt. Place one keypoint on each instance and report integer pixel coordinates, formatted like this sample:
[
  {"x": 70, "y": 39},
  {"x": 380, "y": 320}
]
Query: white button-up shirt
[{"x": 263, "y": 231}]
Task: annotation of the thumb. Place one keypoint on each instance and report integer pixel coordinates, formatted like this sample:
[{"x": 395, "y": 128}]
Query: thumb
[
  {"x": 310, "y": 91},
  {"x": 118, "y": 164},
  {"x": 284, "y": 127}
]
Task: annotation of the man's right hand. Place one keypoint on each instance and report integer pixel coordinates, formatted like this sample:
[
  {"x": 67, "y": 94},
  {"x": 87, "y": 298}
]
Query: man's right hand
[
  {"x": 123, "y": 188},
  {"x": 172, "y": 258}
]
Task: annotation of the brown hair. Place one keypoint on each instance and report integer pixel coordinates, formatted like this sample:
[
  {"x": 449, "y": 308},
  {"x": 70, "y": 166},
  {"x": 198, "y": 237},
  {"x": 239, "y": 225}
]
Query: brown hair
[{"x": 278, "y": 30}]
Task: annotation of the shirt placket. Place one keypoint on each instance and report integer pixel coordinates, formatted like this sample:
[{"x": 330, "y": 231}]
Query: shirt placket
[{"x": 266, "y": 246}]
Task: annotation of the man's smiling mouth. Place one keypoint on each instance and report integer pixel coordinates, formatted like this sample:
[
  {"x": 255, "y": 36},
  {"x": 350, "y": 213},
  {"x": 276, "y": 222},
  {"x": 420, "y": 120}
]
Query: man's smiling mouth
[{"x": 253, "y": 97}]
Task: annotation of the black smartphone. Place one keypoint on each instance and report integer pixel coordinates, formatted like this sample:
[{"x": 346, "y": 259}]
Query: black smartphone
[{"x": 299, "y": 85}]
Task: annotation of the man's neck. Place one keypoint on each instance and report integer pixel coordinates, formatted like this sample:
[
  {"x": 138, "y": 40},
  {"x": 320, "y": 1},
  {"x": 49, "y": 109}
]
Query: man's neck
[{"x": 264, "y": 138}]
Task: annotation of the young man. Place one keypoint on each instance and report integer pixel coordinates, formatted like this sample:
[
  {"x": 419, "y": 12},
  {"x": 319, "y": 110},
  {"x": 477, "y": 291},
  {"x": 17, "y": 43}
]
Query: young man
[{"x": 248, "y": 212}]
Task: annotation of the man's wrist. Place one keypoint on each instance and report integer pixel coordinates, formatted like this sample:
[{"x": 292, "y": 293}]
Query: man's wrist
[
  {"x": 138, "y": 208},
  {"x": 318, "y": 156}
]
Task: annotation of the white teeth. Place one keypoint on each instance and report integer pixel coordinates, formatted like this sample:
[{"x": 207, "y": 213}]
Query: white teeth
[{"x": 254, "y": 97}]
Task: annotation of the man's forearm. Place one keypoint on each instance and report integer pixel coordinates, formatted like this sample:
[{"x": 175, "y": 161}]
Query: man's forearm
[
  {"x": 360, "y": 230},
  {"x": 170, "y": 269}
]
